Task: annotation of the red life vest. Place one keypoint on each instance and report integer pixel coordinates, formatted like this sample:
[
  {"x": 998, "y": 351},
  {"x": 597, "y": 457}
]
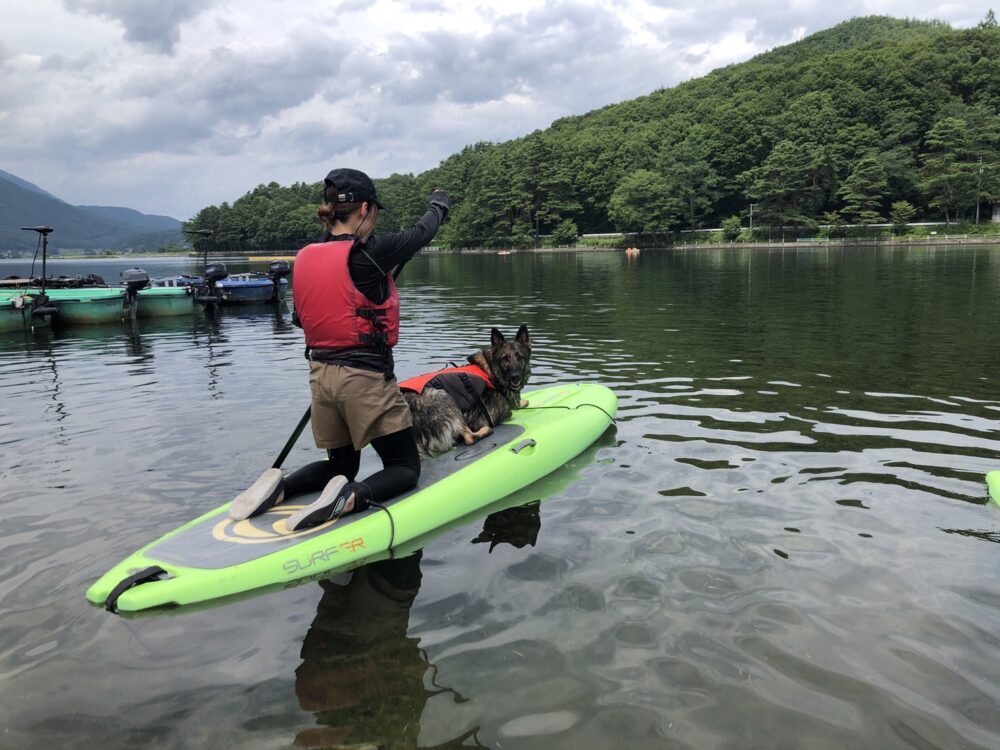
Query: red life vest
[
  {"x": 419, "y": 382},
  {"x": 334, "y": 314}
]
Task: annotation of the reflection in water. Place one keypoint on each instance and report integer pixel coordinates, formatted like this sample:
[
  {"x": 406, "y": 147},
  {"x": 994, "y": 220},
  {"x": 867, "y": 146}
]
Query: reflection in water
[
  {"x": 138, "y": 349},
  {"x": 362, "y": 675},
  {"x": 516, "y": 526},
  {"x": 983, "y": 534}
]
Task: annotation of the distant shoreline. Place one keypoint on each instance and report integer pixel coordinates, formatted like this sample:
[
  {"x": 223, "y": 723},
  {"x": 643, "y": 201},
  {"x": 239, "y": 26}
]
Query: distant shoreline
[{"x": 834, "y": 243}]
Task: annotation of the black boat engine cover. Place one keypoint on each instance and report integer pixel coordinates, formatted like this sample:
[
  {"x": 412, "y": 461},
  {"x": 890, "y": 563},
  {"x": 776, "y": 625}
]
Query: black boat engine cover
[
  {"x": 134, "y": 279},
  {"x": 279, "y": 269},
  {"x": 215, "y": 272}
]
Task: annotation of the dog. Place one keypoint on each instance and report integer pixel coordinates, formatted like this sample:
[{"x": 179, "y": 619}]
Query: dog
[{"x": 449, "y": 405}]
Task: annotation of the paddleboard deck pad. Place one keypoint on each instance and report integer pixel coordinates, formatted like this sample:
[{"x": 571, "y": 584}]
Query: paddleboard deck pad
[{"x": 213, "y": 556}]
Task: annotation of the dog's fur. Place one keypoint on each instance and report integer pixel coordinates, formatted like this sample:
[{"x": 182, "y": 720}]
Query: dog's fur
[{"x": 438, "y": 422}]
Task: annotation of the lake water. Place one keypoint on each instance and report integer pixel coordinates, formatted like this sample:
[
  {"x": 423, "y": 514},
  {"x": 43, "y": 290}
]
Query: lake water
[{"x": 785, "y": 541}]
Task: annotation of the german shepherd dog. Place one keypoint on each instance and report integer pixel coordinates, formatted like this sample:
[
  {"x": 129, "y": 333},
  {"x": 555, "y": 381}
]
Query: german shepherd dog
[{"x": 439, "y": 421}]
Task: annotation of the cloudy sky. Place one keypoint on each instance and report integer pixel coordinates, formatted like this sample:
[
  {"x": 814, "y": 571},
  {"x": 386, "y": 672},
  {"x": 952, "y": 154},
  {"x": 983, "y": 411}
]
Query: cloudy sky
[{"x": 167, "y": 106}]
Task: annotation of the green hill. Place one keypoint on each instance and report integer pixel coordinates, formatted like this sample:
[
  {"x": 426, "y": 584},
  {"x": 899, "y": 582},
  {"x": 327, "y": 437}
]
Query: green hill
[
  {"x": 152, "y": 222},
  {"x": 30, "y": 186},
  {"x": 87, "y": 227},
  {"x": 872, "y": 118}
]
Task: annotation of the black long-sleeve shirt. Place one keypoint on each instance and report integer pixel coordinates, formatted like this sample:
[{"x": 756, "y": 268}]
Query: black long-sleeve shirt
[{"x": 373, "y": 259}]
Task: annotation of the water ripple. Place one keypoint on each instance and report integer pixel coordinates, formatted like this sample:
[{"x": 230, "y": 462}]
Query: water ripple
[{"x": 781, "y": 542}]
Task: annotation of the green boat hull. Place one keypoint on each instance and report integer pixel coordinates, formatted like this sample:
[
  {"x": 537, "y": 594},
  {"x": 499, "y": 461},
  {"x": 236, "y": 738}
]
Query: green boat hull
[
  {"x": 993, "y": 482},
  {"x": 87, "y": 306},
  {"x": 15, "y": 314},
  {"x": 213, "y": 557},
  {"x": 164, "y": 302}
]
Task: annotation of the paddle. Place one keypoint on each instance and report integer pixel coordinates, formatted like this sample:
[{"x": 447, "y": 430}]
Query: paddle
[{"x": 291, "y": 441}]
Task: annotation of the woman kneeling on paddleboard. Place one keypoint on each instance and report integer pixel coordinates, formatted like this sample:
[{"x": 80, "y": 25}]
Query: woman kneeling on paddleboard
[{"x": 347, "y": 304}]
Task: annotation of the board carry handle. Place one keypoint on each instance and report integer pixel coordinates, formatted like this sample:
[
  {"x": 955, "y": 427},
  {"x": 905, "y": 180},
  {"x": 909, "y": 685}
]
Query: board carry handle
[
  {"x": 152, "y": 573},
  {"x": 526, "y": 443}
]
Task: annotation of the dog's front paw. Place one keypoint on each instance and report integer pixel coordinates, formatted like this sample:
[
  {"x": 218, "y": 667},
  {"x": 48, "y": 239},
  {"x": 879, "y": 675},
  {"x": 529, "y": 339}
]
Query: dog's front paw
[{"x": 522, "y": 404}]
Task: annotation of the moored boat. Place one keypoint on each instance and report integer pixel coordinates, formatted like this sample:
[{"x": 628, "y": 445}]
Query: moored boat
[
  {"x": 250, "y": 288},
  {"x": 85, "y": 306},
  {"x": 146, "y": 301},
  {"x": 221, "y": 288},
  {"x": 157, "y": 302}
]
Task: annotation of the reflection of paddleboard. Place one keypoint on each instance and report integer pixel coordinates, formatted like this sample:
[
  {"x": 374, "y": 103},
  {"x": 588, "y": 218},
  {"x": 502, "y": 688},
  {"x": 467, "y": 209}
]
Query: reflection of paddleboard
[
  {"x": 214, "y": 557},
  {"x": 993, "y": 482}
]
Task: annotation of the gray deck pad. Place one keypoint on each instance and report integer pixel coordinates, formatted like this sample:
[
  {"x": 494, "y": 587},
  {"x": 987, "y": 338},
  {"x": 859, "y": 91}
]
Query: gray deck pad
[{"x": 219, "y": 542}]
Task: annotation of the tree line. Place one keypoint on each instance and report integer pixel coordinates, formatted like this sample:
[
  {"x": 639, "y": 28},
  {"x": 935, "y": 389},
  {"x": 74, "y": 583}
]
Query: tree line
[{"x": 873, "y": 120}]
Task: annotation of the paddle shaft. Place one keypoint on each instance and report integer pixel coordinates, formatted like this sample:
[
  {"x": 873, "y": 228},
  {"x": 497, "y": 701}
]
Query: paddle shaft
[{"x": 291, "y": 441}]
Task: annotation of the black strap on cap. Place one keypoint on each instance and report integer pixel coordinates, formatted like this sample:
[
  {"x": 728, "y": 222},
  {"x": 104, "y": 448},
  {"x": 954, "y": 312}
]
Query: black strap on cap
[{"x": 152, "y": 573}]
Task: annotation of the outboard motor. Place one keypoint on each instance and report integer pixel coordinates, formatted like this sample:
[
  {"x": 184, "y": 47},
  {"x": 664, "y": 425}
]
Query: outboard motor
[
  {"x": 278, "y": 270},
  {"x": 134, "y": 279},
  {"x": 208, "y": 293},
  {"x": 34, "y": 306},
  {"x": 215, "y": 272},
  {"x": 42, "y": 308}
]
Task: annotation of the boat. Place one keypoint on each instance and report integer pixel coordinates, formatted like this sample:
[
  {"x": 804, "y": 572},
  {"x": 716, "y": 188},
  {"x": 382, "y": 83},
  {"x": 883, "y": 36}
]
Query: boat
[
  {"x": 72, "y": 299},
  {"x": 85, "y": 306},
  {"x": 219, "y": 287},
  {"x": 250, "y": 288},
  {"x": 162, "y": 302},
  {"x": 214, "y": 557},
  {"x": 146, "y": 301},
  {"x": 993, "y": 483}
]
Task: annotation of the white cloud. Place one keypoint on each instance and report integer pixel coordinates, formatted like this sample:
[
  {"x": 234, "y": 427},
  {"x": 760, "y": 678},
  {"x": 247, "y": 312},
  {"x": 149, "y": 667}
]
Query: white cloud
[{"x": 167, "y": 107}]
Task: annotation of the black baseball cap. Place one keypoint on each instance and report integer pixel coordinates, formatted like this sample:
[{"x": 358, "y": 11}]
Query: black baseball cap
[{"x": 349, "y": 186}]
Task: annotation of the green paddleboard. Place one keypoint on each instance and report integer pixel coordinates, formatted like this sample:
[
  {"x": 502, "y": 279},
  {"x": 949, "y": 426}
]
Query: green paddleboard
[
  {"x": 993, "y": 482},
  {"x": 214, "y": 557}
]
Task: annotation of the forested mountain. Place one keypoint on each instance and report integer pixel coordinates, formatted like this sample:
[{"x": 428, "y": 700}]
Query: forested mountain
[
  {"x": 872, "y": 118},
  {"x": 152, "y": 222},
  {"x": 90, "y": 227},
  {"x": 24, "y": 184}
]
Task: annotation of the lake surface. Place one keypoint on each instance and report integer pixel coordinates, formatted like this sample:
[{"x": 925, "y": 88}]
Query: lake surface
[{"x": 785, "y": 541}]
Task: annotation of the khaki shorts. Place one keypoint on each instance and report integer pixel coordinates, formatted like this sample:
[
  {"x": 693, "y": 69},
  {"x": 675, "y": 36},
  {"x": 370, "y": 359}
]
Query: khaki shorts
[{"x": 351, "y": 406}]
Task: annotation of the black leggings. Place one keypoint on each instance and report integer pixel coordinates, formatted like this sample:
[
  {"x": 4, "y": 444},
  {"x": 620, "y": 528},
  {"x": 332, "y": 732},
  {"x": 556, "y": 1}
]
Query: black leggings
[{"x": 400, "y": 470}]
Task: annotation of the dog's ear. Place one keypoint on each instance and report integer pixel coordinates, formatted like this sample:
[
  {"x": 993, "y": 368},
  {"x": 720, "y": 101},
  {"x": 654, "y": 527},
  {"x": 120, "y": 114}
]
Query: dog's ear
[
  {"x": 496, "y": 338},
  {"x": 522, "y": 336}
]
